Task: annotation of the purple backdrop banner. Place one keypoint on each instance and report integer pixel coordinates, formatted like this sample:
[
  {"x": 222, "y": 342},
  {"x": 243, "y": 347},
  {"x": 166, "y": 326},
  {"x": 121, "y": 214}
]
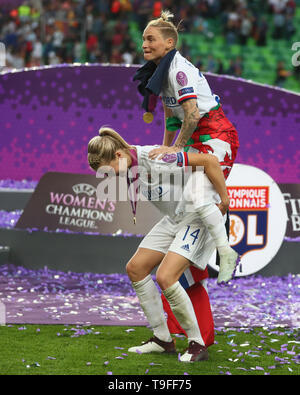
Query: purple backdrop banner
[{"x": 48, "y": 115}]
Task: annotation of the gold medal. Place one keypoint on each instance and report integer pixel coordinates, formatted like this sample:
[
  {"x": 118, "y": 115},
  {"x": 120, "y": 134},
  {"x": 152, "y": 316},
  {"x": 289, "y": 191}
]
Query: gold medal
[
  {"x": 134, "y": 220},
  {"x": 148, "y": 117}
]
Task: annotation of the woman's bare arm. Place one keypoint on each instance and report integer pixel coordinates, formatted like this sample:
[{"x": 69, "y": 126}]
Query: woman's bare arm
[
  {"x": 190, "y": 122},
  {"x": 168, "y": 135}
]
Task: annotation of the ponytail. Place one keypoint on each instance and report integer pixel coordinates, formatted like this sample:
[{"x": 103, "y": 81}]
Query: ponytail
[{"x": 102, "y": 149}]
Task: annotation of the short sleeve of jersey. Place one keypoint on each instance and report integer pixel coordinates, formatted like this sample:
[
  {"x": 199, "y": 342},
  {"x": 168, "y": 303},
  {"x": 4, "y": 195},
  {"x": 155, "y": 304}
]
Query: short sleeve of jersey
[
  {"x": 184, "y": 84},
  {"x": 171, "y": 162}
]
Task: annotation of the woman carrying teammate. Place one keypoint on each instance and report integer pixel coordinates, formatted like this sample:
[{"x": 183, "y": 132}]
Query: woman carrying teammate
[
  {"x": 189, "y": 104},
  {"x": 187, "y": 235}
]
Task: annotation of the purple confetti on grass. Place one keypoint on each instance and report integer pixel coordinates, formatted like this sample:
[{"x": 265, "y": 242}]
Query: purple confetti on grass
[{"x": 47, "y": 296}]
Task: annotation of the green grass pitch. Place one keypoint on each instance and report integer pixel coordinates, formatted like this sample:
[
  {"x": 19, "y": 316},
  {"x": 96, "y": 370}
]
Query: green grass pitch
[{"x": 102, "y": 350}]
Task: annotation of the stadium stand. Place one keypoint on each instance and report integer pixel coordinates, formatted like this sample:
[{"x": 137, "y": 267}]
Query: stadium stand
[
  {"x": 259, "y": 57},
  {"x": 248, "y": 39}
]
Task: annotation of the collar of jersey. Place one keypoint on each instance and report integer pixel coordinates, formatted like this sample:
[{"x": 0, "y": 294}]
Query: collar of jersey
[{"x": 152, "y": 77}]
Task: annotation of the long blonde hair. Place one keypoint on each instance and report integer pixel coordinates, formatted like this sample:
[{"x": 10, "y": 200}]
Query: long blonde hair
[
  {"x": 102, "y": 149},
  {"x": 166, "y": 27}
]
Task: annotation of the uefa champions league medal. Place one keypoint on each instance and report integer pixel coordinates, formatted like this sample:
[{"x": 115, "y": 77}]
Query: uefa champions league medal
[{"x": 148, "y": 117}]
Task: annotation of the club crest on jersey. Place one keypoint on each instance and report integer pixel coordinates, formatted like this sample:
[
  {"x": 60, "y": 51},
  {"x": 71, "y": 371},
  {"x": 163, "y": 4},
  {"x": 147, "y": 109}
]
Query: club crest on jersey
[
  {"x": 169, "y": 158},
  {"x": 181, "y": 78},
  {"x": 249, "y": 210}
]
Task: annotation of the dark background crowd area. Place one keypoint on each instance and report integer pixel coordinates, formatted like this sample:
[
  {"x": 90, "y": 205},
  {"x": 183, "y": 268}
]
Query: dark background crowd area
[{"x": 39, "y": 32}]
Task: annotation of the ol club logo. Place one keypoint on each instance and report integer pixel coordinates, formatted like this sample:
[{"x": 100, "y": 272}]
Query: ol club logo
[
  {"x": 249, "y": 208},
  {"x": 258, "y": 218}
]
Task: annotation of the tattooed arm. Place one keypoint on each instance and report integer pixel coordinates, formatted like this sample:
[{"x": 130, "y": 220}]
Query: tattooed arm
[
  {"x": 189, "y": 124},
  {"x": 168, "y": 136}
]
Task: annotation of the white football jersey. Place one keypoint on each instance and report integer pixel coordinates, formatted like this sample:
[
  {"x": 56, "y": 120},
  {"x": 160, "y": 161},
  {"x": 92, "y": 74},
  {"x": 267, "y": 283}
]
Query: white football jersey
[
  {"x": 170, "y": 184},
  {"x": 184, "y": 82}
]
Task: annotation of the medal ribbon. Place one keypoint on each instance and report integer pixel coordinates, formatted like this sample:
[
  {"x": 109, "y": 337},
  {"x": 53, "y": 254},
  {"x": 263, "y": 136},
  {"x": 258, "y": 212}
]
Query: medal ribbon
[{"x": 131, "y": 183}]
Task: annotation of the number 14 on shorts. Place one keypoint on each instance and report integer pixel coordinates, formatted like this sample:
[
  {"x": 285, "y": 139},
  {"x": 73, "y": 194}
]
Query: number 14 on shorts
[{"x": 191, "y": 233}]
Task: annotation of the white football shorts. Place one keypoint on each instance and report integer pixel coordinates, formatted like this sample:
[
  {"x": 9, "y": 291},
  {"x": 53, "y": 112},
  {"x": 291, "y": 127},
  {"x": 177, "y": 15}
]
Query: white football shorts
[{"x": 188, "y": 238}]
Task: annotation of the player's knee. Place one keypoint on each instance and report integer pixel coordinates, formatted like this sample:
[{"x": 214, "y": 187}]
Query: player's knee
[
  {"x": 133, "y": 271},
  {"x": 130, "y": 269},
  {"x": 163, "y": 281}
]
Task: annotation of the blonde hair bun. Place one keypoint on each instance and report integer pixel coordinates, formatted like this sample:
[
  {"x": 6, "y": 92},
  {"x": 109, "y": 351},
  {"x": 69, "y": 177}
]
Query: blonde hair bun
[
  {"x": 166, "y": 15},
  {"x": 166, "y": 26}
]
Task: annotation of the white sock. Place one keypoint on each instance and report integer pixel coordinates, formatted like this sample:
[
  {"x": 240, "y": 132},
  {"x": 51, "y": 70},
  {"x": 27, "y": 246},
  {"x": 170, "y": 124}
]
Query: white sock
[
  {"x": 212, "y": 218},
  {"x": 183, "y": 310},
  {"x": 151, "y": 303}
]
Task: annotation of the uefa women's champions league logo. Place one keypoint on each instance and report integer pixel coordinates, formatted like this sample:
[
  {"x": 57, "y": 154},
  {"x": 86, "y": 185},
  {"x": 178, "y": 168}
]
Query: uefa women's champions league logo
[
  {"x": 84, "y": 188},
  {"x": 258, "y": 218}
]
